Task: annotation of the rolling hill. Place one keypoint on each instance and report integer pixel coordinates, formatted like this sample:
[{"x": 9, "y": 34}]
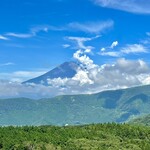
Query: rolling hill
[{"x": 108, "y": 106}]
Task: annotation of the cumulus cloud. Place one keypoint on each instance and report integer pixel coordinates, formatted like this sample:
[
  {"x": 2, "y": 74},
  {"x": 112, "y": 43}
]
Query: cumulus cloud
[
  {"x": 90, "y": 78},
  {"x": 133, "y": 6},
  {"x": 114, "y": 44},
  {"x": 88, "y": 51},
  {"x": 105, "y": 51},
  {"x": 84, "y": 59},
  {"x": 94, "y": 78}
]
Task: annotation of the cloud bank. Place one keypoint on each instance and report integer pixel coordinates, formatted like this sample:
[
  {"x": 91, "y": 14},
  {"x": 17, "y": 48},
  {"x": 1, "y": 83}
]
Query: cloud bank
[{"x": 90, "y": 78}]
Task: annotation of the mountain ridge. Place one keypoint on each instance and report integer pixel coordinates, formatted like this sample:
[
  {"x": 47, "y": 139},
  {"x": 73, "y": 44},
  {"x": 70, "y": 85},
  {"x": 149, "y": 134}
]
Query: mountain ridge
[{"x": 107, "y": 106}]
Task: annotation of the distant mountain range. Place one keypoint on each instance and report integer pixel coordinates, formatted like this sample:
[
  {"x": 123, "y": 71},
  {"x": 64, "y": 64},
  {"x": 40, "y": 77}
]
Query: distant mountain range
[
  {"x": 108, "y": 106},
  {"x": 65, "y": 70}
]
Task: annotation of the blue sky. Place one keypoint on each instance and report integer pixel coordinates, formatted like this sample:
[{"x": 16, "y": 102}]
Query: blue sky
[{"x": 36, "y": 36}]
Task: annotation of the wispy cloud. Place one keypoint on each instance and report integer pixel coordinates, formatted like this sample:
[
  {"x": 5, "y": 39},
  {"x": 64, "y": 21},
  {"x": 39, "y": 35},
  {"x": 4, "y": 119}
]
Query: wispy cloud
[
  {"x": 33, "y": 32},
  {"x": 133, "y": 6},
  {"x": 3, "y": 37},
  {"x": 80, "y": 42},
  {"x": 112, "y": 54},
  {"x": 92, "y": 27},
  {"x": 20, "y": 35},
  {"x": 148, "y": 33},
  {"x": 128, "y": 49},
  {"x": 20, "y": 76},
  {"x": 66, "y": 45},
  {"x": 134, "y": 48},
  {"x": 7, "y": 64}
]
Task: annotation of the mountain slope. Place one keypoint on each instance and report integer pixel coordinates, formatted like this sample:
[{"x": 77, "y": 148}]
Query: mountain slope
[
  {"x": 107, "y": 106},
  {"x": 143, "y": 120},
  {"x": 65, "y": 70}
]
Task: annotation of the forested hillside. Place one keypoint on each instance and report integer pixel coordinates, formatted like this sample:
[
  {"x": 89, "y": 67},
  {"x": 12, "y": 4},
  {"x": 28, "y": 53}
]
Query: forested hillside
[
  {"x": 88, "y": 137},
  {"x": 108, "y": 106}
]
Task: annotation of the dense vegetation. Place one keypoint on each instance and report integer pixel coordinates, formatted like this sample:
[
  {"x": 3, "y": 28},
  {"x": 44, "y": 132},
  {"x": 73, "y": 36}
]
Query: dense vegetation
[
  {"x": 88, "y": 137},
  {"x": 108, "y": 106}
]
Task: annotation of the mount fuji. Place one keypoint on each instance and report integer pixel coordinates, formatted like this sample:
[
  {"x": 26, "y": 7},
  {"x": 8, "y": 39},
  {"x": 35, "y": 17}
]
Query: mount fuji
[{"x": 65, "y": 70}]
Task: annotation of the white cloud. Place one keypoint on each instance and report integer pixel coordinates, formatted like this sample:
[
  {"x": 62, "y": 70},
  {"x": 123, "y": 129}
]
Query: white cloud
[
  {"x": 82, "y": 77},
  {"x": 127, "y": 66},
  {"x": 37, "y": 29},
  {"x": 103, "y": 49},
  {"x": 33, "y": 32},
  {"x": 146, "y": 80},
  {"x": 128, "y": 49},
  {"x": 65, "y": 45},
  {"x": 112, "y": 54},
  {"x": 7, "y": 64},
  {"x": 3, "y": 37},
  {"x": 80, "y": 43},
  {"x": 20, "y": 76},
  {"x": 114, "y": 44},
  {"x": 148, "y": 33},
  {"x": 133, "y": 6},
  {"x": 84, "y": 59},
  {"x": 88, "y": 51},
  {"x": 14, "y": 89},
  {"x": 134, "y": 48},
  {"x": 90, "y": 78},
  {"x": 92, "y": 27},
  {"x": 20, "y": 35}
]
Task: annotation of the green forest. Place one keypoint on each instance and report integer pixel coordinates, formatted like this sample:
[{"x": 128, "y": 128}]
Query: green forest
[{"x": 108, "y": 136}]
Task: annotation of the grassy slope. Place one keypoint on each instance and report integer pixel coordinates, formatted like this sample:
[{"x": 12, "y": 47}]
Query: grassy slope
[
  {"x": 88, "y": 137},
  {"x": 108, "y": 106}
]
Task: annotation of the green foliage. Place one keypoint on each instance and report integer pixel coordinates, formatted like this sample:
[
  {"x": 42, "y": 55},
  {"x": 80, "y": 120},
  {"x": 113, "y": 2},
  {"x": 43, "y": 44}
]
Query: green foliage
[
  {"x": 109, "y": 106},
  {"x": 109, "y": 136}
]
